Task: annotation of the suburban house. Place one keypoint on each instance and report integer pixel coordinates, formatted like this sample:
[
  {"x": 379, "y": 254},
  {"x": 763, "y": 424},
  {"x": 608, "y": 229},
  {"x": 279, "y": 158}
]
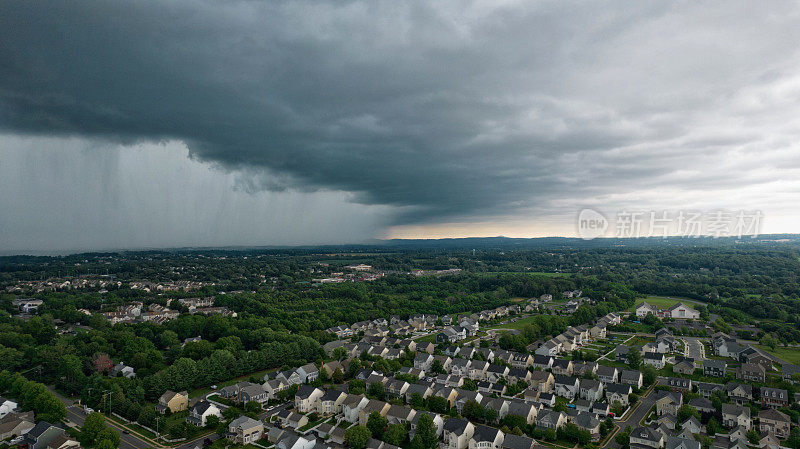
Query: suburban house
[
  {"x": 714, "y": 368},
  {"x": 644, "y": 308},
  {"x": 681, "y": 310},
  {"x": 456, "y": 433},
  {"x": 607, "y": 374},
  {"x": 244, "y": 430},
  {"x": 551, "y": 419},
  {"x": 739, "y": 393},
  {"x": 542, "y": 381},
  {"x": 774, "y": 421},
  {"x": 750, "y": 372},
  {"x": 172, "y": 401},
  {"x": 631, "y": 377},
  {"x": 566, "y": 386},
  {"x": 774, "y": 397},
  {"x": 486, "y": 438},
  {"x": 200, "y": 412},
  {"x": 305, "y": 400},
  {"x": 618, "y": 392},
  {"x": 736, "y": 415},
  {"x": 668, "y": 402},
  {"x": 645, "y": 436},
  {"x": 654, "y": 359}
]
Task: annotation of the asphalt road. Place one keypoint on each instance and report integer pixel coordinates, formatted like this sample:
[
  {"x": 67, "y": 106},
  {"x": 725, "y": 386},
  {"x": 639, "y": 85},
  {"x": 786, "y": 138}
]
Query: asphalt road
[
  {"x": 696, "y": 349},
  {"x": 76, "y": 415},
  {"x": 638, "y": 414}
]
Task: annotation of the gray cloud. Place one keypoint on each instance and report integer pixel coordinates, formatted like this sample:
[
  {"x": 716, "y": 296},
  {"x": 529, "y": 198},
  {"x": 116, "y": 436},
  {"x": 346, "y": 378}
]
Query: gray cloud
[{"x": 444, "y": 111}]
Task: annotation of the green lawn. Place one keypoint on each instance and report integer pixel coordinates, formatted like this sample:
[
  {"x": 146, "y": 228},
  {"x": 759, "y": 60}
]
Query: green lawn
[
  {"x": 791, "y": 355},
  {"x": 426, "y": 339},
  {"x": 519, "y": 324},
  {"x": 660, "y": 301}
]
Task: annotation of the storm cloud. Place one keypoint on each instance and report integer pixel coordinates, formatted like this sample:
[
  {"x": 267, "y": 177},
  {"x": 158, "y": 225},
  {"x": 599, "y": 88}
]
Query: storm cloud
[{"x": 444, "y": 112}]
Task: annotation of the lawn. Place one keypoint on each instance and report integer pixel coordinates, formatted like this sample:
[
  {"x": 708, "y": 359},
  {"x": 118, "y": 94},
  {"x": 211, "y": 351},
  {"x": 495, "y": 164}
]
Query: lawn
[
  {"x": 519, "y": 324},
  {"x": 662, "y": 302},
  {"x": 791, "y": 355},
  {"x": 431, "y": 338}
]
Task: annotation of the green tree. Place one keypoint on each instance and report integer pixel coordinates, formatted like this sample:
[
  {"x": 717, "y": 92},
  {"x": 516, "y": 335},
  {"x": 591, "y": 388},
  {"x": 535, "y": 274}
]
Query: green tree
[
  {"x": 686, "y": 411},
  {"x": 416, "y": 401},
  {"x": 376, "y": 424},
  {"x": 252, "y": 407},
  {"x": 425, "y": 436},
  {"x": 395, "y": 434},
  {"x": 212, "y": 422},
  {"x": 472, "y": 410},
  {"x": 634, "y": 359},
  {"x": 357, "y": 436},
  {"x": 437, "y": 367},
  {"x": 338, "y": 376},
  {"x": 92, "y": 428}
]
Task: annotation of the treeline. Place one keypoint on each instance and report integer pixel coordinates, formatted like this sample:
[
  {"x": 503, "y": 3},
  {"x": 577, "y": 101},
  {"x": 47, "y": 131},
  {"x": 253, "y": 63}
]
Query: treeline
[{"x": 32, "y": 396}]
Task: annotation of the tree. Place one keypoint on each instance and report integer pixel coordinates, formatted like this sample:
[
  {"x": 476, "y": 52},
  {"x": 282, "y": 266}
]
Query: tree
[
  {"x": 624, "y": 438},
  {"x": 252, "y": 407},
  {"x": 617, "y": 408},
  {"x": 357, "y": 437},
  {"x": 634, "y": 358},
  {"x": 425, "y": 436},
  {"x": 91, "y": 428},
  {"x": 438, "y": 404},
  {"x": 753, "y": 436},
  {"x": 514, "y": 422},
  {"x": 649, "y": 375},
  {"x": 769, "y": 340},
  {"x": 686, "y": 411},
  {"x": 416, "y": 401},
  {"x": 339, "y": 353},
  {"x": 377, "y": 390},
  {"x": 712, "y": 427},
  {"x": 437, "y": 367},
  {"x": 472, "y": 410},
  {"x": 376, "y": 424},
  {"x": 395, "y": 434},
  {"x": 212, "y": 421},
  {"x": 490, "y": 414},
  {"x": 338, "y": 376}
]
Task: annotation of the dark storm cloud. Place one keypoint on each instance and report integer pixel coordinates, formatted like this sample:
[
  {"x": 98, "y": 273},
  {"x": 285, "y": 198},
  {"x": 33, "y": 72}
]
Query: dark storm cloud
[{"x": 444, "y": 110}]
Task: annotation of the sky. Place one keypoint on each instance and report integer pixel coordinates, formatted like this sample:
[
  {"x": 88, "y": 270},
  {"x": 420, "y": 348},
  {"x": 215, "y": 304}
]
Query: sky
[{"x": 204, "y": 123}]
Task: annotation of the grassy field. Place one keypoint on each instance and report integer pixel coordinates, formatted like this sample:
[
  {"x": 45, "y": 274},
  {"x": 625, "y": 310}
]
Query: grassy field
[
  {"x": 431, "y": 338},
  {"x": 791, "y": 355},
  {"x": 661, "y": 302},
  {"x": 519, "y": 324}
]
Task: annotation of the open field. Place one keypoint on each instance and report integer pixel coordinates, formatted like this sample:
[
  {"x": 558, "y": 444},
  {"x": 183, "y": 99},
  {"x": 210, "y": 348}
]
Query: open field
[
  {"x": 519, "y": 324},
  {"x": 661, "y": 302},
  {"x": 791, "y": 355}
]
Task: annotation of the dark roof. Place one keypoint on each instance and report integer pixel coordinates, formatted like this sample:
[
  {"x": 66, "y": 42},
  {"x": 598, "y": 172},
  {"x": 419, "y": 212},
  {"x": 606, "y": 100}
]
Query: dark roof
[
  {"x": 484, "y": 433},
  {"x": 201, "y": 407},
  {"x": 712, "y": 363},
  {"x": 456, "y": 425}
]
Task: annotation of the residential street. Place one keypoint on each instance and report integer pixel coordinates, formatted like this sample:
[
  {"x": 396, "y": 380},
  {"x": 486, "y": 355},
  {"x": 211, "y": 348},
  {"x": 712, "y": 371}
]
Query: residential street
[
  {"x": 76, "y": 415},
  {"x": 645, "y": 403},
  {"x": 695, "y": 348}
]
